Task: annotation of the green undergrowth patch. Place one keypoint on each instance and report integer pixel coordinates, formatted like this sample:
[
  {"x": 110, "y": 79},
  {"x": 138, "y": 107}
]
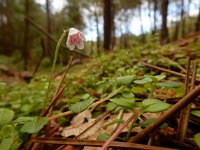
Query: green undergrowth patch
[{"x": 140, "y": 88}]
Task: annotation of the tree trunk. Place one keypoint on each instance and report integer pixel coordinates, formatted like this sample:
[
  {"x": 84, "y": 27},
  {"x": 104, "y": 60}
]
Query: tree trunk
[
  {"x": 197, "y": 26},
  {"x": 48, "y": 28},
  {"x": 113, "y": 40},
  {"x": 97, "y": 27},
  {"x": 164, "y": 31},
  {"x": 182, "y": 18},
  {"x": 25, "y": 52},
  {"x": 107, "y": 24},
  {"x": 176, "y": 28},
  {"x": 155, "y": 7}
]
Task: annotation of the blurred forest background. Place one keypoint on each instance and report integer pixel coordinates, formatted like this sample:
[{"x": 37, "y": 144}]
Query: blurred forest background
[{"x": 29, "y": 29}]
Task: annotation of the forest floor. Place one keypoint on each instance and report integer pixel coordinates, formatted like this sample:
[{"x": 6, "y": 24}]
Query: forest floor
[{"x": 147, "y": 95}]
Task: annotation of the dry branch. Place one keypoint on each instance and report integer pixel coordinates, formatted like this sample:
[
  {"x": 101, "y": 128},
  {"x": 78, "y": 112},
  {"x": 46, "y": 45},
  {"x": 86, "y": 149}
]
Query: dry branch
[
  {"x": 169, "y": 113},
  {"x": 94, "y": 143}
]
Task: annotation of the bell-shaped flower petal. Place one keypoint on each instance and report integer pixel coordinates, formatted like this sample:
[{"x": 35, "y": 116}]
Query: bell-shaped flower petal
[{"x": 75, "y": 39}]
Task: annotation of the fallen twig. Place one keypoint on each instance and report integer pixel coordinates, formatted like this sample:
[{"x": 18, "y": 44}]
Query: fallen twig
[
  {"x": 94, "y": 143},
  {"x": 169, "y": 113},
  {"x": 165, "y": 70}
]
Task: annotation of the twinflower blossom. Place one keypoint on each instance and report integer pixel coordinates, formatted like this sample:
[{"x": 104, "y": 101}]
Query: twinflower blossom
[{"x": 75, "y": 39}]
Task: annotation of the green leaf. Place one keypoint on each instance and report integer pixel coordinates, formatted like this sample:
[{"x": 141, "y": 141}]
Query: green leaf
[
  {"x": 124, "y": 102},
  {"x": 85, "y": 96},
  {"x": 149, "y": 101},
  {"x": 81, "y": 106},
  {"x": 139, "y": 90},
  {"x": 144, "y": 80},
  {"x": 7, "y": 137},
  {"x": 34, "y": 126},
  {"x": 196, "y": 113},
  {"x": 111, "y": 106},
  {"x": 125, "y": 80},
  {"x": 103, "y": 136},
  {"x": 7, "y": 131},
  {"x": 197, "y": 139},
  {"x": 147, "y": 122},
  {"x": 160, "y": 77},
  {"x": 169, "y": 84},
  {"x": 154, "y": 105},
  {"x": 113, "y": 122},
  {"x": 22, "y": 120},
  {"x": 6, "y": 116}
]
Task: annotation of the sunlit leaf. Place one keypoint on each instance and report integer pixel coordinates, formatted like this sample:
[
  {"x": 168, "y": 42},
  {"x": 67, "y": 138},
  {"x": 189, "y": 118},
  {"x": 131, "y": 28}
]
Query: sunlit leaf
[
  {"x": 154, "y": 105},
  {"x": 6, "y": 116},
  {"x": 144, "y": 80},
  {"x": 139, "y": 90},
  {"x": 124, "y": 102},
  {"x": 196, "y": 112},
  {"x": 81, "y": 106},
  {"x": 160, "y": 77},
  {"x": 125, "y": 80},
  {"x": 23, "y": 120},
  {"x": 34, "y": 126},
  {"x": 7, "y": 137},
  {"x": 197, "y": 139}
]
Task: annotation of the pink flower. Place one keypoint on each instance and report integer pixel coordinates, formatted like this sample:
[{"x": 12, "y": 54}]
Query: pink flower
[{"x": 75, "y": 39}]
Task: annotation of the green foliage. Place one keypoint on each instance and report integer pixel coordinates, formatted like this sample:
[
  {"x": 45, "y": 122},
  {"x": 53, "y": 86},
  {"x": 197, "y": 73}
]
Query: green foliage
[
  {"x": 81, "y": 106},
  {"x": 103, "y": 137},
  {"x": 6, "y": 139},
  {"x": 125, "y": 80},
  {"x": 196, "y": 113},
  {"x": 6, "y": 116},
  {"x": 118, "y": 121},
  {"x": 124, "y": 102},
  {"x": 154, "y": 105},
  {"x": 34, "y": 126},
  {"x": 197, "y": 139}
]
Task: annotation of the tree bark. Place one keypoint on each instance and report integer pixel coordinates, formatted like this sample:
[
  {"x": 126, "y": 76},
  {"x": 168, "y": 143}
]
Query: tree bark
[
  {"x": 97, "y": 27},
  {"x": 176, "y": 28},
  {"x": 48, "y": 28},
  {"x": 164, "y": 31},
  {"x": 25, "y": 52},
  {"x": 154, "y": 17},
  {"x": 197, "y": 26},
  {"x": 107, "y": 24},
  {"x": 182, "y": 19}
]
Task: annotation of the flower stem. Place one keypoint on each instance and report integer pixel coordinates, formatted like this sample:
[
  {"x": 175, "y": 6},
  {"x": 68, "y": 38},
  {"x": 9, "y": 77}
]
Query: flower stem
[{"x": 54, "y": 65}]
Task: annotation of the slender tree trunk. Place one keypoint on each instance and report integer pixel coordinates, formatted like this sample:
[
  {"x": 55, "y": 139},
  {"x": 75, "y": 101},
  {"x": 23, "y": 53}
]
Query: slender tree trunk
[
  {"x": 176, "y": 28},
  {"x": 182, "y": 18},
  {"x": 97, "y": 28},
  {"x": 48, "y": 28},
  {"x": 113, "y": 40},
  {"x": 155, "y": 8},
  {"x": 197, "y": 25},
  {"x": 164, "y": 31},
  {"x": 107, "y": 24},
  {"x": 188, "y": 16},
  {"x": 26, "y": 33}
]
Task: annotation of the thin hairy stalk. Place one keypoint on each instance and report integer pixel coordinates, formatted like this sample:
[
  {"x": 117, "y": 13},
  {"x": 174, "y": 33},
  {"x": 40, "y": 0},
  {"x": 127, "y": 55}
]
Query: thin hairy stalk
[{"x": 54, "y": 65}]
